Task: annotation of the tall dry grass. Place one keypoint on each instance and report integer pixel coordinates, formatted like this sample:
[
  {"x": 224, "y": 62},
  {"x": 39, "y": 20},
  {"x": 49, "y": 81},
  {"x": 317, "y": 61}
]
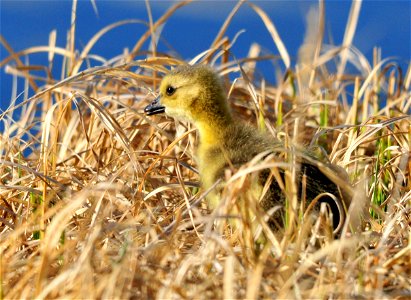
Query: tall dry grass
[{"x": 99, "y": 201}]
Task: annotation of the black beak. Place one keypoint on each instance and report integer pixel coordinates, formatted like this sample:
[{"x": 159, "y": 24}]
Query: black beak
[{"x": 154, "y": 108}]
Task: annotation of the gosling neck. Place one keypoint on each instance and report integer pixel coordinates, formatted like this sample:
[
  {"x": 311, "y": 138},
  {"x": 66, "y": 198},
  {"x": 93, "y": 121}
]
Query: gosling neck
[{"x": 213, "y": 127}]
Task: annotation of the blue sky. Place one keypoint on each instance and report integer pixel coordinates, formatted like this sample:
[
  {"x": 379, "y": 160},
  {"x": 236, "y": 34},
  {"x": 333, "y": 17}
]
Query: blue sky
[{"x": 192, "y": 29}]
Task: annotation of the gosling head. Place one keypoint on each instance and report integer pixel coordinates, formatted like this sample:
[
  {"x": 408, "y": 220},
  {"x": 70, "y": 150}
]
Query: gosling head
[{"x": 192, "y": 93}]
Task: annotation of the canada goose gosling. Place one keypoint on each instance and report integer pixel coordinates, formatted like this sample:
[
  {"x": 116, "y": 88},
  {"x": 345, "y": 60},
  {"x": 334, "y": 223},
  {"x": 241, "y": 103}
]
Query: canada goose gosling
[{"x": 195, "y": 93}]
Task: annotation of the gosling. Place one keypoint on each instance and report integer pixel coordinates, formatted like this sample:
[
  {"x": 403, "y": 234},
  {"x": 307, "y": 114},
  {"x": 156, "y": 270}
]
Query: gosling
[{"x": 195, "y": 93}]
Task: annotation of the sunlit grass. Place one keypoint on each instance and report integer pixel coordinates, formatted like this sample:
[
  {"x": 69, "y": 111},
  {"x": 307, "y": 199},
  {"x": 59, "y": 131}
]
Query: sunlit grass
[{"x": 99, "y": 201}]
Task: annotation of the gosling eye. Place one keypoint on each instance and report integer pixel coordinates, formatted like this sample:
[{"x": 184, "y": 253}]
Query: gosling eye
[{"x": 170, "y": 90}]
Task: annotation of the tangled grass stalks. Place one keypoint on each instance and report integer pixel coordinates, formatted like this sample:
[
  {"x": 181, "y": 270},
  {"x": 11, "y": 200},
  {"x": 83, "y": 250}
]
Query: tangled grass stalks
[{"x": 99, "y": 201}]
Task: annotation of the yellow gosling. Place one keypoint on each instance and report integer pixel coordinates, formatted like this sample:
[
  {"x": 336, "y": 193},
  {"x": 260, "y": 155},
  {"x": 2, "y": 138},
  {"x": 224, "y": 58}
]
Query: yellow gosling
[{"x": 196, "y": 94}]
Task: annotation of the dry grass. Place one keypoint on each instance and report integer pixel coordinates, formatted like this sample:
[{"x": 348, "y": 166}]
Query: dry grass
[{"x": 98, "y": 201}]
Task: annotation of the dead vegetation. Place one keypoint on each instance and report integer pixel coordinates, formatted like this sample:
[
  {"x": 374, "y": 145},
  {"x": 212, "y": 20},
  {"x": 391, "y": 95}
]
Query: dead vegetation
[{"x": 98, "y": 201}]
